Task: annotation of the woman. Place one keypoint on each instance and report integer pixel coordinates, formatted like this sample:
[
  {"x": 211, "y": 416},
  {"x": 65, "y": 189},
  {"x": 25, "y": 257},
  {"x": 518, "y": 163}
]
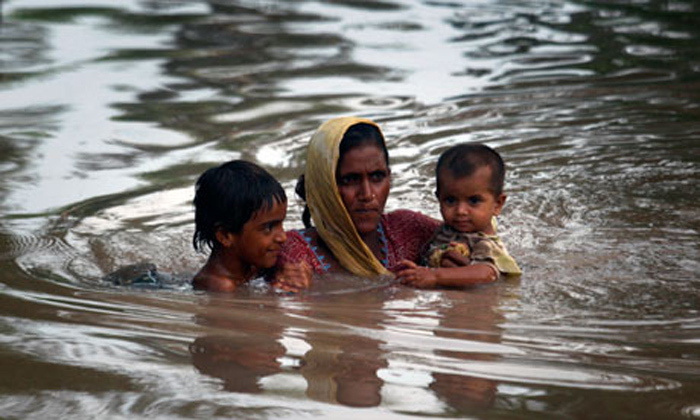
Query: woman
[{"x": 345, "y": 186}]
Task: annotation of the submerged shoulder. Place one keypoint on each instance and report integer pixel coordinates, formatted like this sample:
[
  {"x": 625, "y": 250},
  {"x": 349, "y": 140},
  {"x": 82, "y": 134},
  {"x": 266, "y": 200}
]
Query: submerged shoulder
[{"x": 209, "y": 280}]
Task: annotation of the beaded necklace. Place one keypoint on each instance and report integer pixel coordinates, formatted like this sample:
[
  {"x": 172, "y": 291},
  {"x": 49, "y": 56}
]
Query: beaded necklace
[
  {"x": 319, "y": 256},
  {"x": 384, "y": 244}
]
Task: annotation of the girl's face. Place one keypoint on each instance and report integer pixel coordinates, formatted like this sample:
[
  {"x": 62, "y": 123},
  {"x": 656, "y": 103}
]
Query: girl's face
[
  {"x": 467, "y": 204},
  {"x": 259, "y": 242},
  {"x": 364, "y": 181}
]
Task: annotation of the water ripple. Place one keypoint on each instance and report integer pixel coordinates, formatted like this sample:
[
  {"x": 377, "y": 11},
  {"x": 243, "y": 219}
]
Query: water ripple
[{"x": 593, "y": 105}]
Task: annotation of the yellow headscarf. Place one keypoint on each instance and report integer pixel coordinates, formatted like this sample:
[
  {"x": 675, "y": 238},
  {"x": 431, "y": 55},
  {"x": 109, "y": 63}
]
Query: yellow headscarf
[{"x": 328, "y": 212}]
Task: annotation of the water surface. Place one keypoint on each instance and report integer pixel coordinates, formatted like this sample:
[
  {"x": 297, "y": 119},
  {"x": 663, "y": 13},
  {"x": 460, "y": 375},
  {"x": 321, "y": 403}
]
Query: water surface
[{"x": 108, "y": 113}]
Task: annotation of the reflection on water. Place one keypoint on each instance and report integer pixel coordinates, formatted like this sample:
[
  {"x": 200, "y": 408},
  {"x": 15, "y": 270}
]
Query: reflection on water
[{"x": 108, "y": 113}]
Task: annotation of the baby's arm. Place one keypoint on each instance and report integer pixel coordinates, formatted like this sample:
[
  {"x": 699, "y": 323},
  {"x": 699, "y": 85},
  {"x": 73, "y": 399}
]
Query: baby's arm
[{"x": 454, "y": 273}]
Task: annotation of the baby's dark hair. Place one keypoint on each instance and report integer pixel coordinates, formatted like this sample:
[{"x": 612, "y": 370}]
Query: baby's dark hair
[
  {"x": 228, "y": 196},
  {"x": 464, "y": 159},
  {"x": 360, "y": 134}
]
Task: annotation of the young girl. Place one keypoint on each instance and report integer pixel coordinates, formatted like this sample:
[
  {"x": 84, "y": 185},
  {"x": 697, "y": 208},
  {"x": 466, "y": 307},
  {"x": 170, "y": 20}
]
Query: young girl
[
  {"x": 239, "y": 214},
  {"x": 470, "y": 191}
]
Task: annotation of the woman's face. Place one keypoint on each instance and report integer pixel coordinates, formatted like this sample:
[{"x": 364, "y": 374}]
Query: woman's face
[{"x": 364, "y": 181}]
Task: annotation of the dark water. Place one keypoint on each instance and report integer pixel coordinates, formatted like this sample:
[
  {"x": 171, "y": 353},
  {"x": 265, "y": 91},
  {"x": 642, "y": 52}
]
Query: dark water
[{"x": 110, "y": 110}]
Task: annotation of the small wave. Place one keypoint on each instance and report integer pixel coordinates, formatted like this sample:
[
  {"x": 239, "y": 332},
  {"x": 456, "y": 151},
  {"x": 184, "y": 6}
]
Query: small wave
[
  {"x": 552, "y": 374},
  {"x": 691, "y": 411},
  {"x": 16, "y": 245}
]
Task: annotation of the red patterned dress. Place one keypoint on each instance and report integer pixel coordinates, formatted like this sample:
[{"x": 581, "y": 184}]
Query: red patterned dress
[{"x": 405, "y": 233}]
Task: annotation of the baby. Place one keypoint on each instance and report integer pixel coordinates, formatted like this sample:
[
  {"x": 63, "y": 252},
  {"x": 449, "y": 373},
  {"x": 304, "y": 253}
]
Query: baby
[
  {"x": 470, "y": 191},
  {"x": 239, "y": 214}
]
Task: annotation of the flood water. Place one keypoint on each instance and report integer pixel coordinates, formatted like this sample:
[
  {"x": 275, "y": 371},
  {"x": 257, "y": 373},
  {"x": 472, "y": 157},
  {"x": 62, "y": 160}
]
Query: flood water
[{"x": 110, "y": 110}]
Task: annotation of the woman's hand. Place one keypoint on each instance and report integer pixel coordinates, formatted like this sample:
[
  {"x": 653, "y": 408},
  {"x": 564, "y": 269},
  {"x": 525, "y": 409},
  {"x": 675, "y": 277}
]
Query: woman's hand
[
  {"x": 293, "y": 277},
  {"x": 417, "y": 276}
]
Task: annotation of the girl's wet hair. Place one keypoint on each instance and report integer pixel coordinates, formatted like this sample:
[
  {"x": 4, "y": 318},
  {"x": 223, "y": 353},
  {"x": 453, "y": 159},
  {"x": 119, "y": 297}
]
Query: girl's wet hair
[
  {"x": 361, "y": 134},
  {"x": 228, "y": 196},
  {"x": 464, "y": 159}
]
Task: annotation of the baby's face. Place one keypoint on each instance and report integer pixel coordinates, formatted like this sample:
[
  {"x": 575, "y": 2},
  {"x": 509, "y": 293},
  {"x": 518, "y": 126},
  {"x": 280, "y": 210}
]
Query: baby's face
[{"x": 467, "y": 204}]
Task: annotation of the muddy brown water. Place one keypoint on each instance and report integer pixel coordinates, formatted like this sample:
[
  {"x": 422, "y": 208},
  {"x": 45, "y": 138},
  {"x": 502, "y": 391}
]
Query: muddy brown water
[{"x": 110, "y": 110}]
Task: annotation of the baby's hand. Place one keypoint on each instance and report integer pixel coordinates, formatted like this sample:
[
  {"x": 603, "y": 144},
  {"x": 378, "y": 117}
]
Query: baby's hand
[
  {"x": 456, "y": 256},
  {"x": 442, "y": 256},
  {"x": 293, "y": 277},
  {"x": 416, "y": 276}
]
